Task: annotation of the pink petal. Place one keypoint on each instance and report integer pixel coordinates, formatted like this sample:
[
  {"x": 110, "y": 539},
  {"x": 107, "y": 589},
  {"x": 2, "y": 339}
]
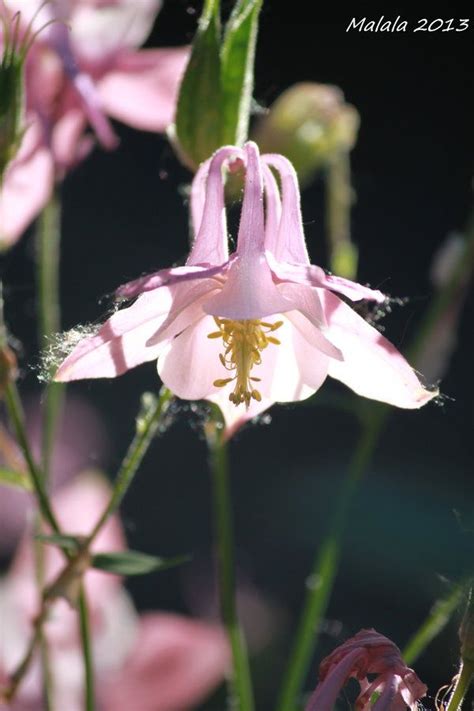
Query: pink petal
[
  {"x": 121, "y": 342},
  {"x": 250, "y": 240},
  {"x": 175, "y": 664},
  {"x": 141, "y": 89},
  {"x": 325, "y": 695},
  {"x": 289, "y": 245},
  {"x": 248, "y": 292},
  {"x": 77, "y": 506},
  {"x": 101, "y": 28},
  {"x": 308, "y": 317},
  {"x": 69, "y": 144},
  {"x": 190, "y": 364},
  {"x": 351, "y": 289},
  {"x": 372, "y": 366},
  {"x": 185, "y": 308},
  {"x": 312, "y": 275},
  {"x": 272, "y": 209},
  {"x": 210, "y": 245},
  {"x": 165, "y": 277},
  {"x": 27, "y": 187},
  {"x": 59, "y": 40},
  {"x": 291, "y": 371}
]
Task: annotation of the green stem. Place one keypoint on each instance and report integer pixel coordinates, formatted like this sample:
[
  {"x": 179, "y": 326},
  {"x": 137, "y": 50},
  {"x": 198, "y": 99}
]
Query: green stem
[
  {"x": 437, "y": 619},
  {"x": 89, "y": 695},
  {"x": 241, "y": 684},
  {"x": 343, "y": 253},
  {"x": 461, "y": 687},
  {"x": 48, "y": 239},
  {"x": 325, "y": 567},
  {"x": 148, "y": 423},
  {"x": 15, "y": 413},
  {"x": 323, "y": 574}
]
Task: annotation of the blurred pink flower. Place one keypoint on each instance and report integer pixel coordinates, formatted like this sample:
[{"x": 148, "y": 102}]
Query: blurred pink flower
[
  {"x": 211, "y": 322},
  {"x": 368, "y": 653},
  {"x": 81, "y": 443},
  {"x": 154, "y": 662},
  {"x": 81, "y": 69}
]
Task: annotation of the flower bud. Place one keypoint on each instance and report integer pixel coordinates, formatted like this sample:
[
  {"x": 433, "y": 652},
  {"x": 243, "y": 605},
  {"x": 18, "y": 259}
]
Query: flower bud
[
  {"x": 310, "y": 124},
  {"x": 13, "y": 51}
]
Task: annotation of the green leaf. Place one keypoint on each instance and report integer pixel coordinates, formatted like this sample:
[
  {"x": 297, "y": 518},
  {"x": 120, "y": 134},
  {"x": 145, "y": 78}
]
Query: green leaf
[
  {"x": 66, "y": 543},
  {"x": 197, "y": 128},
  {"x": 237, "y": 70},
  {"x": 17, "y": 480},
  {"x": 134, "y": 563}
]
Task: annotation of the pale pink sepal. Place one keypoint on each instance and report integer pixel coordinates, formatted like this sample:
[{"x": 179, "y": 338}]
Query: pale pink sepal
[
  {"x": 141, "y": 88},
  {"x": 371, "y": 365},
  {"x": 121, "y": 343},
  {"x": 312, "y": 275},
  {"x": 27, "y": 186}
]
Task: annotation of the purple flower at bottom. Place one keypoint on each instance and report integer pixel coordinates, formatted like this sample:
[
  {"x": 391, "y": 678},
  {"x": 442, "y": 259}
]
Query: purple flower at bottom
[{"x": 377, "y": 665}]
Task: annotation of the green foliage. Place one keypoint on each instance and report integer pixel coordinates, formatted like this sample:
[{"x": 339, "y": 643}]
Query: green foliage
[
  {"x": 17, "y": 480},
  {"x": 134, "y": 563}
]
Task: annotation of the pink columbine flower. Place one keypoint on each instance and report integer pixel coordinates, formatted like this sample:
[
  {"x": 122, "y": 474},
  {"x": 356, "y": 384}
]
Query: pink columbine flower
[
  {"x": 395, "y": 685},
  {"x": 82, "y": 69},
  {"x": 260, "y": 326}
]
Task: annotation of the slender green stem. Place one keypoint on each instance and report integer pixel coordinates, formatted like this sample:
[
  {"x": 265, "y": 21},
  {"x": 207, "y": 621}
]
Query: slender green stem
[
  {"x": 343, "y": 253},
  {"x": 466, "y": 674},
  {"x": 15, "y": 413},
  {"x": 437, "y": 619},
  {"x": 48, "y": 239},
  {"x": 148, "y": 422},
  {"x": 89, "y": 694},
  {"x": 241, "y": 698},
  {"x": 322, "y": 576}
]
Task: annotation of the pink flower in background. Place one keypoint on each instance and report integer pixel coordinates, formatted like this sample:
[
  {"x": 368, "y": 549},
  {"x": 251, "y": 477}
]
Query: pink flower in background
[
  {"x": 368, "y": 653},
  {"x": 81, "y": 69},
  {"x": 154, "y": 662},
  {"x": 81, "y": 442},
  {"x": 258, "y": 327}
]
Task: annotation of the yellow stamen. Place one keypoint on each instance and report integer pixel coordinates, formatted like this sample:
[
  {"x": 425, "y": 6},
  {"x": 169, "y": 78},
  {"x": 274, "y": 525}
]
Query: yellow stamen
[{"x": 243, "y": 341}]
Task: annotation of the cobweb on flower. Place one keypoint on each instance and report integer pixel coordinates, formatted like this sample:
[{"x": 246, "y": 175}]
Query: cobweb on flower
[{"x": 58, "y": 347}]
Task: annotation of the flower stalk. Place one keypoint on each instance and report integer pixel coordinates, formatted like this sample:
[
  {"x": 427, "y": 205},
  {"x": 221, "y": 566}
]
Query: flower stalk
[{"x": 241, "y": 693}]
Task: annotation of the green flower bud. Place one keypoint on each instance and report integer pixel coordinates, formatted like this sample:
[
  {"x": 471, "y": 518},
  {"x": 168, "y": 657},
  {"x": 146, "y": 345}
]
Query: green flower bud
[
  {"x": 310, "y": 124},
  {"x": 11, "y": 88}
]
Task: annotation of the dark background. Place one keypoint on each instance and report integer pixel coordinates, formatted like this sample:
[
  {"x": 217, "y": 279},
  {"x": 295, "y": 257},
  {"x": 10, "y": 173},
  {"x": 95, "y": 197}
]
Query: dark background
[{"x": 409, "y": 529}]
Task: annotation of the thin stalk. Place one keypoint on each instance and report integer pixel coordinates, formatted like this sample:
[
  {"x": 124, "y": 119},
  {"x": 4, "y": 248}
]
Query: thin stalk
[
  {"x": 241, "y": 693},
  {"x": 48, "y": 240},
  {"x": 339, "y": 197},
  {"x": 16, "y": 416},
  {"x": 437, "y": 619},
  {"x": 463, "y": 681},
  {"x": 323, "y": 573},
  {"x": 86, "y": 645},
  {"x": 148, "y": 423}
]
